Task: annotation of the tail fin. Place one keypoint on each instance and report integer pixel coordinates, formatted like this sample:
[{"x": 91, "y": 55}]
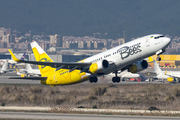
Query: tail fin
[
  {"x": 28, "y": 67},
  {"x": 157, "y": 69},
  {"x": 23, "y": 57},
  {"x": 40, "y": 55},
  {"x": 5, "y": 66}
]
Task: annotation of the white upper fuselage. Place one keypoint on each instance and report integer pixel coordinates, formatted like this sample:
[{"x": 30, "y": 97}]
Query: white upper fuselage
[
  {"x": 124, "y": 74},
  {"x": 162, "y": 76},
  {"x": 33, "y": 72},
  {"x": 131, "y": 52}
]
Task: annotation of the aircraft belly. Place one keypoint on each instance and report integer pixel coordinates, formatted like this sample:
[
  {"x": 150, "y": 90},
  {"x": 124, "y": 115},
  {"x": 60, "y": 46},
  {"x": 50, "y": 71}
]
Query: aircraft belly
[{"x": 67, "y": 78}]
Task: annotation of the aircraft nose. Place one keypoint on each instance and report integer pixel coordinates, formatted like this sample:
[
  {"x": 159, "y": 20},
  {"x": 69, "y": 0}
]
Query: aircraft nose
[{"x": 167, "y": 41}]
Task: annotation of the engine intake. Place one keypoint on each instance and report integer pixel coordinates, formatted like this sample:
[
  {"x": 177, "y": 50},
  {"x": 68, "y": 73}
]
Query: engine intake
[
  {"x": 138, "y": 66},
  {"x": 99, "y": 65}
]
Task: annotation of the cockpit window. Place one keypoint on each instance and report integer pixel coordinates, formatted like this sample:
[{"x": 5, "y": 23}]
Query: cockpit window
[{"x": 158, "y": 37}]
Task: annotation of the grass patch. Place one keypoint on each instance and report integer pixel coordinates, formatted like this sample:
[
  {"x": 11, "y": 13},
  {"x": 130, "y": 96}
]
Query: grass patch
[{"x": 137, "y": 96}]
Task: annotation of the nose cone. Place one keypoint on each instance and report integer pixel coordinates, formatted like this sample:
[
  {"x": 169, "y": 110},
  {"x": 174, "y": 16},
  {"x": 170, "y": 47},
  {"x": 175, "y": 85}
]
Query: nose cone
[{"x": 167, "y": 41}]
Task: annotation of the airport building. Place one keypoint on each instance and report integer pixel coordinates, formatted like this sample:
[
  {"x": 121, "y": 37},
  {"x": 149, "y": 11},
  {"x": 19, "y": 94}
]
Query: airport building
[
  {"x": 56, "y": 58},
  {"x": 168, "y": 60}
]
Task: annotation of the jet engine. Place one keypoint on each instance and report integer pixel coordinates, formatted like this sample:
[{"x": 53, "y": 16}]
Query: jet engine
[
  {"x": 98, "y": 66},
  {"x": 138, "y": 66},
  {"x": 170, "y": 79}
]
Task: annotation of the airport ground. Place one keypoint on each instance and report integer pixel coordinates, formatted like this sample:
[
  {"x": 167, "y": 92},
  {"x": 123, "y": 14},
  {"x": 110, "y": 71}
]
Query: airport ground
[{"x": 125, "y": 95}]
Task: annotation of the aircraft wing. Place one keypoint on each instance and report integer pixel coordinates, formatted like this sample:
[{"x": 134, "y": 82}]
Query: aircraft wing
[
  {"x": 29, "y": 78},
  {"x": 57, "y": 65}
]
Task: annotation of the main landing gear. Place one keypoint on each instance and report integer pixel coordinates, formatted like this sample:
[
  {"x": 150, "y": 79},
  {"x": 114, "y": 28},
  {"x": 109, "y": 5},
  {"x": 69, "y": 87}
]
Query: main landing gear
[
  {"x": 93, "y": 79},
  {"x": 116, "y": 79}
]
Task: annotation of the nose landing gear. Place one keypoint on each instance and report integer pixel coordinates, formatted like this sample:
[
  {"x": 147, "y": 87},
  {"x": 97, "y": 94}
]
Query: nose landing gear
[{"x": 158, "y": 58}]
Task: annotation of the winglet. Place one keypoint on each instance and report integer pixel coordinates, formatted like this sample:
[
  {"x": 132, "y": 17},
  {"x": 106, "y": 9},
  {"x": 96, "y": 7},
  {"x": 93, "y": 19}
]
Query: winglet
[
  {"x": 13, "y": 56},
  {"x": 165, "y": 72}
]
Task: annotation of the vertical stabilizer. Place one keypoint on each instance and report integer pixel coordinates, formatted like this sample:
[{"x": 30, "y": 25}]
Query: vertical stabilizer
[
  {"x": 40, "y": 55},
  {"x": 28, "y": 67},
  {"x": 23, "y": 56},
  {"x": 5, "y": 66},
  {"x": 157, "y": 69}
]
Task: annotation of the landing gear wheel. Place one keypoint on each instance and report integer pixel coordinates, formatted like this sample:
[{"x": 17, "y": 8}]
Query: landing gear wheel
[
  {"x": 93, "y": 79},
  {"x": 158, "y": 58},
  {"x": 116, "y": 79}
]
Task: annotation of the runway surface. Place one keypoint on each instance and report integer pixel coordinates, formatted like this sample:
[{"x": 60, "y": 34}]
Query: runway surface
[
  {"x": 60, "y": 116},
  {"x": 5, "y": 80}
]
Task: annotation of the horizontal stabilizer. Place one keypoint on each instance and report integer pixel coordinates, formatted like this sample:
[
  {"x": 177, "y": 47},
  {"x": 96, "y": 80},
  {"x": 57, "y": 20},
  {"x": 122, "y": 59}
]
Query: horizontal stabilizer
[{"x": 29, "y": 78}]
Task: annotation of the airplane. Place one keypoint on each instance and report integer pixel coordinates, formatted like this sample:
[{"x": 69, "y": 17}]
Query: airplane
[
  {"x": 126, "y": 56},
  {"x": 28, "y": 71},
  {"x": 12, "y": 61},
  {"x": 4, "y": 67},
  {"x": 125, "y": 74},
  {"x": 170, "y": 76}
]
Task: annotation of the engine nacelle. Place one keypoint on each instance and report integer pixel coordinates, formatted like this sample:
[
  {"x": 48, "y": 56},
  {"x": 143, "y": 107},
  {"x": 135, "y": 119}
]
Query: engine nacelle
[
  {"x": 170, "y": 79},
  {"x": 138, "y": 66},
  {"x": 99, "y": 65}
]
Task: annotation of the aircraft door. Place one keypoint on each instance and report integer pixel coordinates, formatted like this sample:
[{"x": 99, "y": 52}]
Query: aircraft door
[{"x": 147, "y": 43}]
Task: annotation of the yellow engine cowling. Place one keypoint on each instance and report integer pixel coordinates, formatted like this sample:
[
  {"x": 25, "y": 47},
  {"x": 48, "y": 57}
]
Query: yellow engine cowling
[
  {"x": 138, "y": 66},
  {"x": 98, "y": 66},
  {"x": 22, "y": 75},
  {"x": 170, "y": 79}
]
